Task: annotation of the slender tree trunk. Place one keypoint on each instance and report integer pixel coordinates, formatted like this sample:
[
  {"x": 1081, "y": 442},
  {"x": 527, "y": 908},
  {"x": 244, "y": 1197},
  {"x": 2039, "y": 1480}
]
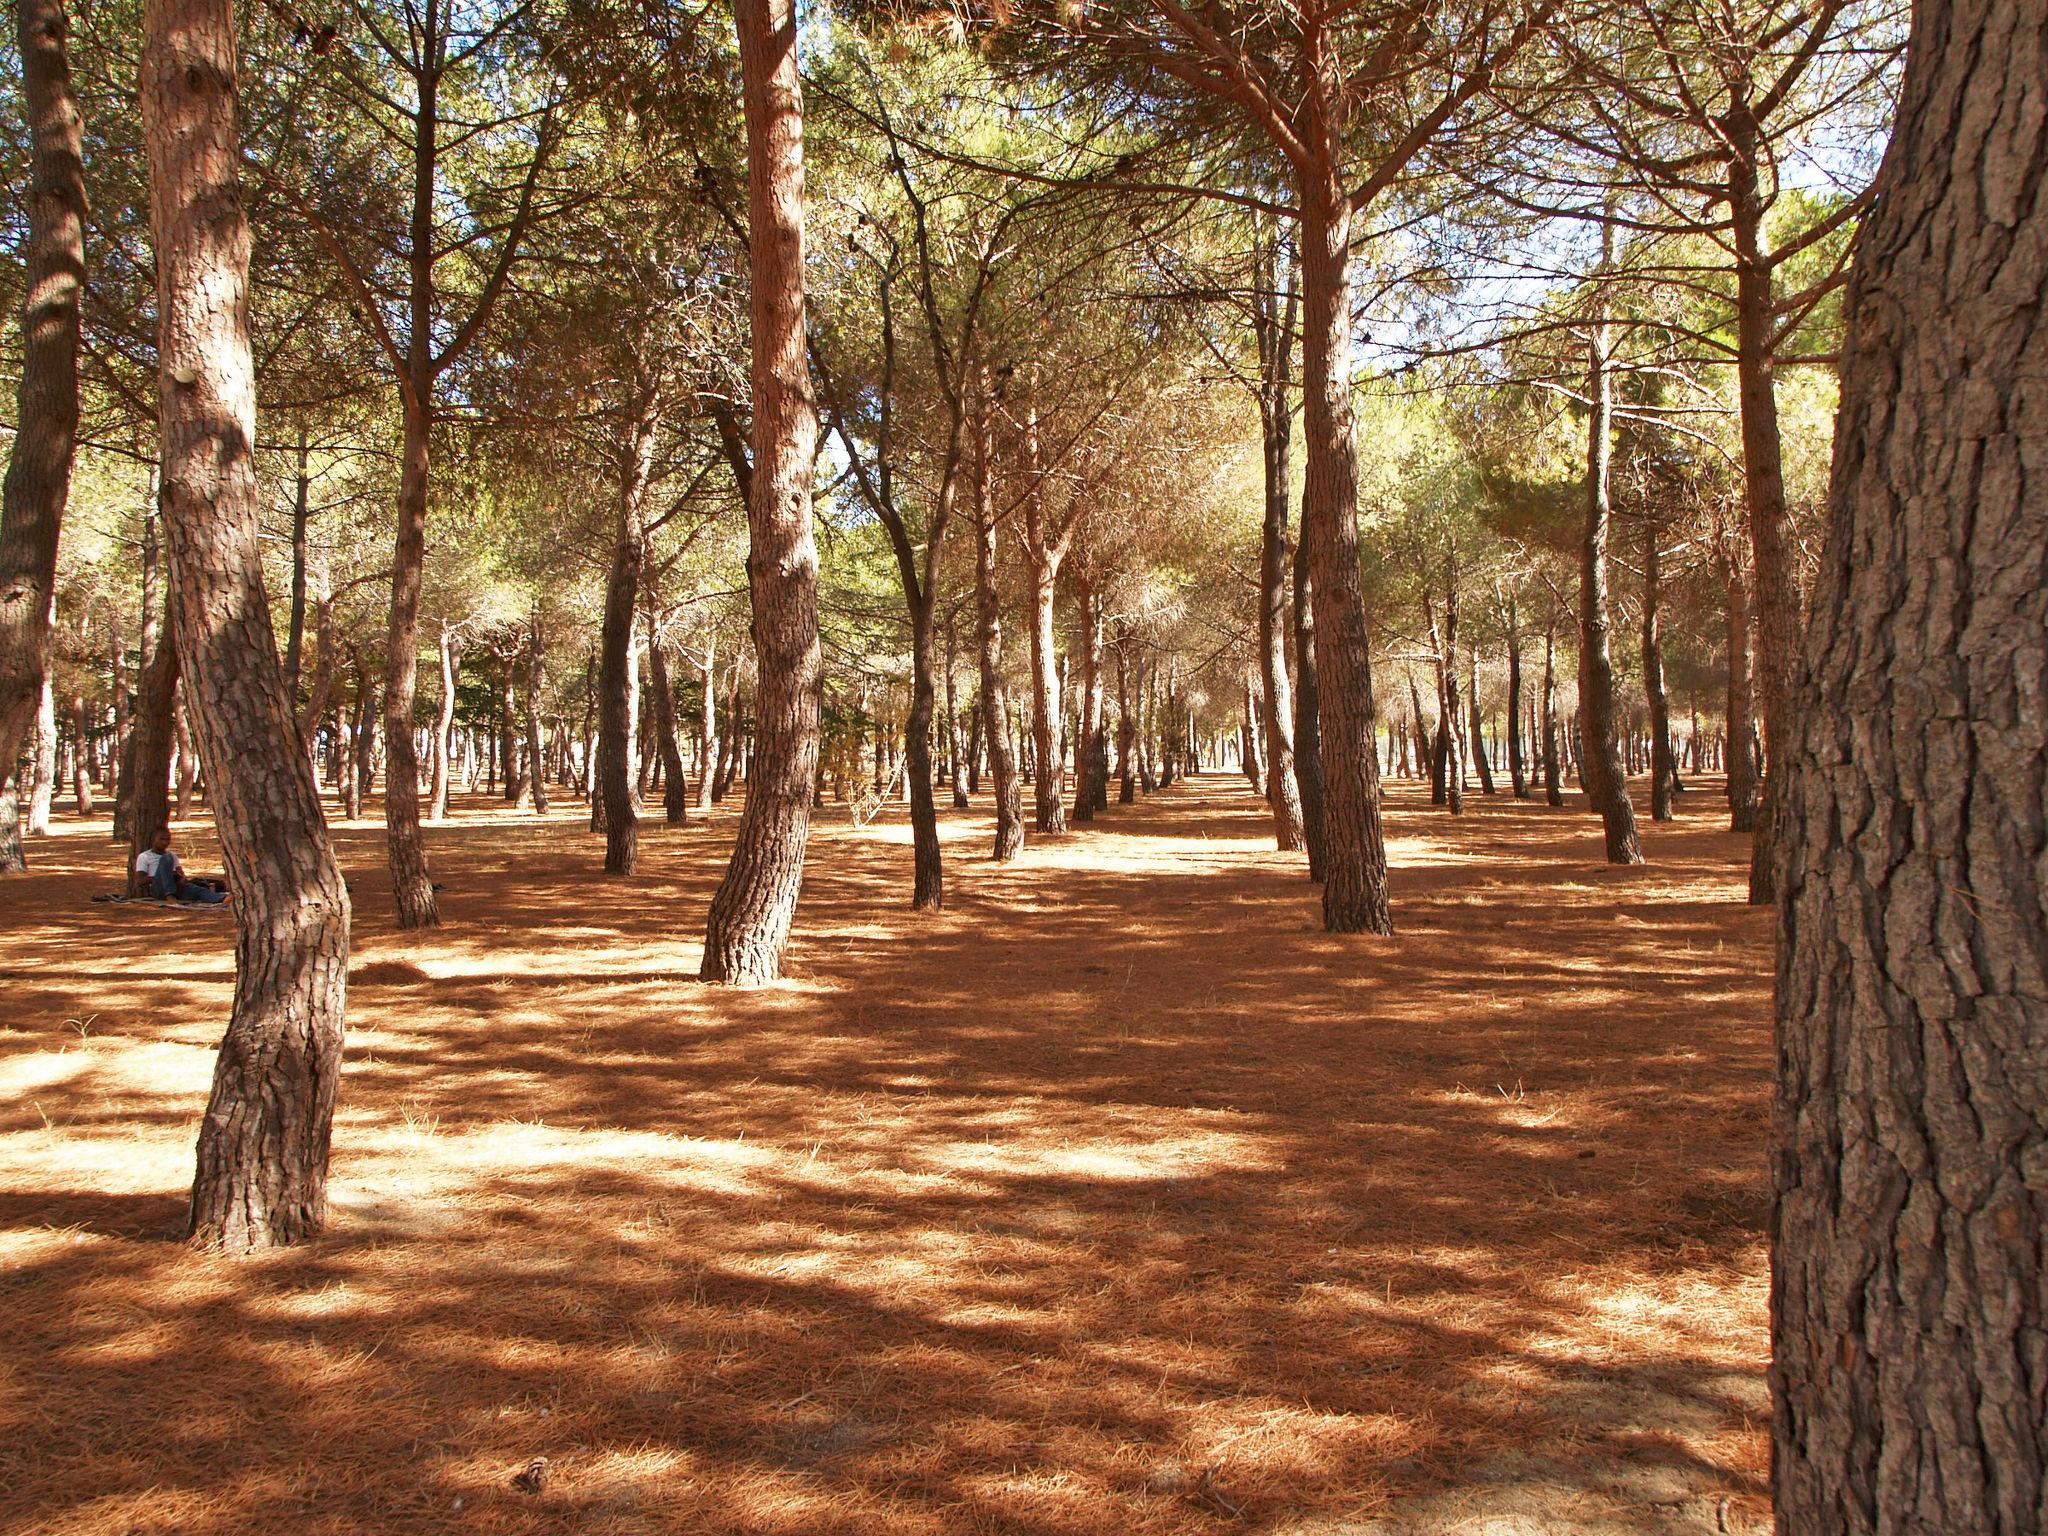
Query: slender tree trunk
[
  {"x": 536, "y": 677},
  {"x": 995, "y": 704},
  {"x": 1274, "y": 322},
  {"x": 756, "y": 902},
  {"x": 1048, "y": 781},
  {"x": 188, "y": 763},
  {"x": 615, "y": 679},
  {"x": 1476, "y": 720},
  {"x": 958, "y": 748},
  {"x": 1518, "y": 770},
  {"x": 1741, "y": 756},
  {"x": 81, "y": 781},
  {"x": 928, "y": 876},
  {"x": 149, "y": 785},
  {"x": 302, "y": 512},
  {"x": 1599, "y": 750},
  {"x": 1088, "y": 739},
  {"x": 675, "y": 778},
  {"x": 1910, "y": 1278},
  {"x": 1663, "y": 766},
  {"x": 708, "y": 726},
  {"x": 444, "y": 720},
  {"x": 261, "y": 1179},
  {"x": 1553, "y": 780},
  {"x": 38, "y": 480},
  {"x": 43, "y": 755},
  {"x": 1354, "y": 858}
]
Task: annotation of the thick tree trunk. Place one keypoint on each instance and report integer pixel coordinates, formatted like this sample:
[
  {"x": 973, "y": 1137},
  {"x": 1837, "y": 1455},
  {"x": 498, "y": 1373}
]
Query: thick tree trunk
[
  {"x": 1663, "y": 766},
  {"x": 615, "y": 671},
  {"x": 38, "y": 480},
  {"x": 1910, "y": 1276},
  {"x": 756, "y": 902},
  {"x": 1599, "y": 751},
  {"x": 1354, "y": 858},
  {"x": 263, "y": 1144}
]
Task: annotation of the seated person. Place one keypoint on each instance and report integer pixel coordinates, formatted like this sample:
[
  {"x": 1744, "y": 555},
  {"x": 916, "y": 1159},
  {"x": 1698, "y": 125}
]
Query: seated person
[{"x": 161, "y": 873}]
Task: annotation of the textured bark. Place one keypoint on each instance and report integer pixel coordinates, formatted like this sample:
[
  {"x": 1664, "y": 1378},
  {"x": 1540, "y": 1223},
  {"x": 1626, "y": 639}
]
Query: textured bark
[
  {"x": 1048, "y": 768},
  {"x": 43, "y": 761},
  {"x": 1910, "y": 1155},
  {"x": 1126, "y": 726},
  {"x": 1091, "y": 758},
  {"x": 616, "y": 684},
  {"x": 988, "y": 616},
  {"x": 1354, "y": 857},
  {"x": 1553, "y": 789},
  {"x": 412, "y": 887},
  {"x": 38, "y": 480},
  {"x": 1599, "y": 750},
  {"x": 756, "y": 901},
  {"x": 261, "y": 1178},
  {"x": 1741, "y": 755},
  {"x": 957, "y": 747},
  {"x": 707, "y": 730},
  {"x": 149, "y": 763},
  {"x": 302, "y": 511}
]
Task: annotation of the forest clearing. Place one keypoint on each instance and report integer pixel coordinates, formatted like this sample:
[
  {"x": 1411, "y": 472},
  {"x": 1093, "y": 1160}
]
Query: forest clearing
[
  {"x": 1119, "y": 1175},
  {"x": 1032, "y": 767}
]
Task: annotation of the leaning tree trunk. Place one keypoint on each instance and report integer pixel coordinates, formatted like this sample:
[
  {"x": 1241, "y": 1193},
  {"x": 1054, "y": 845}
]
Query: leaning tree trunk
[
  {"x": 263, "y": 1144},
  {"x": 615, "y": 799},
  {"x": 38, "y": 481},
  {"x": 756, "y": 902},
  {"x": 1910, "y": 1145},
  {"x": 1599, "y": 752},
  {"x": 988, "y": 615},
  {"x": 1354, "y": 856}
]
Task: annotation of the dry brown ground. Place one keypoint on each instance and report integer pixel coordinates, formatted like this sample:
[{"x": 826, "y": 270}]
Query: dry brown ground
[{"x": 1119, "y": 1198}]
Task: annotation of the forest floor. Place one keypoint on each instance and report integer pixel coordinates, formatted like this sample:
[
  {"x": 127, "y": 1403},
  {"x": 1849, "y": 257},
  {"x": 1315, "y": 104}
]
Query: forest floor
[{"x": 1119, "y": 1198}]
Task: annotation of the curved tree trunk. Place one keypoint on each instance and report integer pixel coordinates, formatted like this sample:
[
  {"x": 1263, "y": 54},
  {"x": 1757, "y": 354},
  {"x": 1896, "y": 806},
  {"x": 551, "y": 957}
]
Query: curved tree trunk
[
  {"x": 756, "y": 901},
  {"x": 1599, "y": 752},
  {"x": 38, "y": 480},
  {"x": 261, "y": 1179},
  {"x": 1910, "y": 1277},
  {"x": 1354, "y": 856}
]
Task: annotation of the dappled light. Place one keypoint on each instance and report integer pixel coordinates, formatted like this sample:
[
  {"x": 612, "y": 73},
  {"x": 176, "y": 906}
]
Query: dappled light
[{"x": 1117, "y": 1197}]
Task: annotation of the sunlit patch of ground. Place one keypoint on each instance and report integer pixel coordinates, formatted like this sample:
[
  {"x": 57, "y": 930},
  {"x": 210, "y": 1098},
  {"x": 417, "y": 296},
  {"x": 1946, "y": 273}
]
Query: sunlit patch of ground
[{"x": 1118, "y": 1198}]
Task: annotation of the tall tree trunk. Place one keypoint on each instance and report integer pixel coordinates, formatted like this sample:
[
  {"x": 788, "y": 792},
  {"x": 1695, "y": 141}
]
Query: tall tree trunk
[
  {"x": 756, "y": 902},
  {"x": 708, "y": 722},
  {"x": 1518, "y": 769},
  {"x": 38, "y": 480},
  {"x": 43, "y": 757},
  {"x": 928, "y": 876},
  {"x": 1048, "y": 779},
  {"x": 1910, "y": 1277},
  {"x": 1772, "y": 541},
  {"x": 615, "y": 679},
  {"x": 302, "y": 511},
  {"x": 444, "y": 720},
  {"x": 149, "y": 785},
  {"x": 1553, "y": 787},
  {"x": 1126, "y": 727},
  {"x": 957, "y": 747},
  {"x": 1274, "y": 323},
  {"x": 1354, "y": 851},
  {"x": 1308, "y": 739},
  {"x": 261, "y": 1179},
  {"x": 1741, "y": 755},
  {"x": 1663, "y": 766},
  {"x": 675, "y": 778},
  {"x": 81, "y": 782},
  {"x": 536, "y": 677},
  {"x": 1599, "y": 751},
  {"x": 988, "y": 613},
  {"x": 1476, "y": 720},
  {"x": 188, "y": 763},
  {"x": 1088, "y": 739}
]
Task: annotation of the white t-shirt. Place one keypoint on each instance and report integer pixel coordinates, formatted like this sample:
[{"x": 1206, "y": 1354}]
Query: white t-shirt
[{"x": 146, "y": 862}]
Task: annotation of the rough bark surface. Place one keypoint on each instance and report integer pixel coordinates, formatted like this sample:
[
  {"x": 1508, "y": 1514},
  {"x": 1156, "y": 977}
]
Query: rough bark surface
[
  {"x": 1910, "y": 1136},
  {"x": 263, "y": 1144},
  {"x": 1599, "y": 748},
  {"x": 756, "y": 901},
  {"x": 615, "y": 801},
  {"x": 1274, "y": 322},
  {"x": 38, "y": 480},
  {"x": 1354, "y": 856},
  {"x": 995, "y": 702}
]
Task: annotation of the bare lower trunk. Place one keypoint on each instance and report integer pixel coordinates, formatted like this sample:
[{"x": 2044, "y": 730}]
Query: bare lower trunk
[
  {"x": 43, "y": 760},
  {"x": 1599, "y": 752},
  {"x": 261, "y": 1179},
  {"x": 756, "y": 902},
  {"x": 444, "y": 721},
  {"x": 1476, "y": 720},
  {"x": 38, "y": 480},
  {"x": 1663, "y": 766},
  {"x": 412, "y": 887},
  {"x": 1090, "y": 759},
  {"x": 675, "y": 779},
  {"x": 1741, "y": 754},
  {"x": 995, "y": 704},
  {"x": 615, "y": 800},
  {"x": 149, "y": 787},
  {"x": 707, "y": 770},
  {"x": 1910, "y": 1133},
  {"x": 928, "y": 878},
  {"x": 958, "y": 749},
  {"x": 1048, "y": 779},
  {"x": 1553, "y": 785},
  {"x": 1518, "y": 770},
  {"x": 1283, "y": 789},
  {"x": 1308, "y": 740},
  {"x": 1354, "y": 851},
  {"x": 536, "y": 676}
]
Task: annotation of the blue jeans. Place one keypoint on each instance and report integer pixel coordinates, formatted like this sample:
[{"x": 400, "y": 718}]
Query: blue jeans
[{"x": 169, "y": 880}]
